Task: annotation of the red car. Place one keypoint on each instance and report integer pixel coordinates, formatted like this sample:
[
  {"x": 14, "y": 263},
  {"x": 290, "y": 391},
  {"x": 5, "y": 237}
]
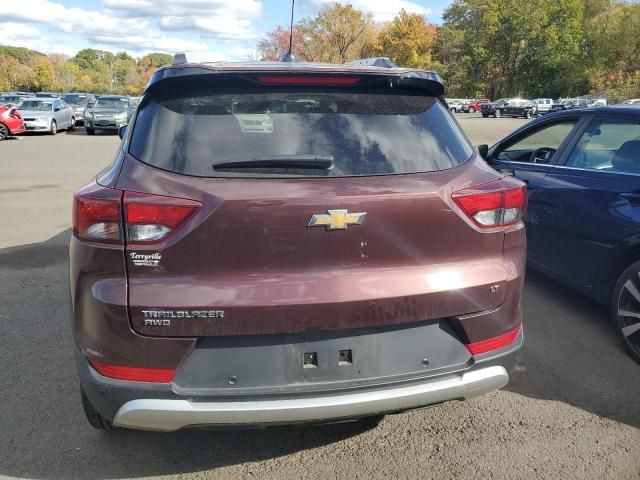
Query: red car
[
  {"x": 289, "y": 243},
  {"x": 11, "y": 122},
  {"x": 476, "y": 105}
]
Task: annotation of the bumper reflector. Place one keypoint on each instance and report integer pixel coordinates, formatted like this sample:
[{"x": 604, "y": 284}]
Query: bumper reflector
[
  {"x": 484, "y": 346},
  {"x": 136, "y": 374}
]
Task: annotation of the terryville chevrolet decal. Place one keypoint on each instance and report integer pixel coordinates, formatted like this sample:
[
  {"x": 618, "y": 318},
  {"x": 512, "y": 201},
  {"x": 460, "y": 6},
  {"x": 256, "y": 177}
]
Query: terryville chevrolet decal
[
  {"x": 162, "y": 318},
  {"x": 145, "y": 259}
]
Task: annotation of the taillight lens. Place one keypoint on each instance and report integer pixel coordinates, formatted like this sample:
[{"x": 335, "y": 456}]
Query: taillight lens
[
  {"x": 495, "y": 343},
  {"x": 136, "y": 374},
  {"x": 494, "y": 204},
  {"x": 110, "y": 216},
  {"x": 151, "y": 218},
  {"x": 97, "y": 215}
]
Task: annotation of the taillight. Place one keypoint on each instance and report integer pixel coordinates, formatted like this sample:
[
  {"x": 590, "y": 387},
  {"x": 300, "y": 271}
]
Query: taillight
[
  {"x": 112, "y": 216},
  {"x": 499, "y": 203},
  {"x": 151, "y": 218},
  {"x": 341, "y": 80},
  {"x": 485, "y": 346},
  {"x": 97, "y": 214},
  {"x": 136, "y": 374}
]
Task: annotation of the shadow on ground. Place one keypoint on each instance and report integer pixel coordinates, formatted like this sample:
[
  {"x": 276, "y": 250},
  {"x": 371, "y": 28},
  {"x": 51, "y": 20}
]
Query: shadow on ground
[{"x": 571, "y": 356}]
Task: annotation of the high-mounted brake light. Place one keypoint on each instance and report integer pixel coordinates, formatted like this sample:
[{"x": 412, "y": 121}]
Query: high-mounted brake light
[
  {"x": 484, "y": 346},
  {"x": 499, "y": 203},
  {"x": 136, "y": 374},
  {"x": 338, "y": 80},
  {"x": 110, "y": 216}
]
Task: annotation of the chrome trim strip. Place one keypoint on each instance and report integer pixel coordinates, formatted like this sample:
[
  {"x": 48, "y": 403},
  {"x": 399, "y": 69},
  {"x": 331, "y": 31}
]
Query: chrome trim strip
[{"x": 170, "y": 415}]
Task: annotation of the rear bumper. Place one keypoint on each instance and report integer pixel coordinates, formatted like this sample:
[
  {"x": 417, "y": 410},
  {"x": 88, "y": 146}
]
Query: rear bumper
[
  {"x": 169, "y": 415},
  {"x": 167, "y": 407}
]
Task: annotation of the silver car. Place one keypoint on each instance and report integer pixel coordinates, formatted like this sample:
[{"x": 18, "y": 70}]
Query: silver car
[
  {"x": 110, "y": 112},
  {"x": 47, "y": 115},
  {"x": 79, "y": 102}
]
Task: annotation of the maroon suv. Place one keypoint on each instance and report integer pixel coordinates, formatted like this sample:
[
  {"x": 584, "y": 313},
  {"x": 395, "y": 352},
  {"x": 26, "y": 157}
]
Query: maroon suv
[{"x": 289, "y": 243}]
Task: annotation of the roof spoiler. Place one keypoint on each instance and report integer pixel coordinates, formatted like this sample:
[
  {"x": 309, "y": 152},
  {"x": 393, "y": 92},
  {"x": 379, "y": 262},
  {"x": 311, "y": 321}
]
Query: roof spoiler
[
  {"x": 179, "y": 59},
  {"x": 384, "y": 62}
]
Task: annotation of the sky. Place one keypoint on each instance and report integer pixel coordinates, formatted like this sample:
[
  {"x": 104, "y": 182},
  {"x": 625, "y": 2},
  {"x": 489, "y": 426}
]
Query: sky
[{"x": 207, "y": 30}]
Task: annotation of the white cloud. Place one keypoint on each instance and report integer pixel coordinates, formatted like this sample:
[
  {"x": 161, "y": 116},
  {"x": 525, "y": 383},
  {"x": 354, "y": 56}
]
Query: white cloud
[
  {"x": 221, "y": 19},
  {"x": 27, "y": 36},
  {"x": 139, "y": 25},
  {"x": 382, "y": 10}
]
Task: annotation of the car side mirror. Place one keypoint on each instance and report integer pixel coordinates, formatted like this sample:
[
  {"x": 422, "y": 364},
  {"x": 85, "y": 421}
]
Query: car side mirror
[
  {"x": 483, "y": 150},
  {"x": 57, "y": 109},
  {"x": 122, "y": 131}
]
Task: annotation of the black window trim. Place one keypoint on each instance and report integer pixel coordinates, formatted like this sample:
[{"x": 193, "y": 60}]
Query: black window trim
[
  {"x": 590, "y": 119},
  {"x": 564, "y": 147}
]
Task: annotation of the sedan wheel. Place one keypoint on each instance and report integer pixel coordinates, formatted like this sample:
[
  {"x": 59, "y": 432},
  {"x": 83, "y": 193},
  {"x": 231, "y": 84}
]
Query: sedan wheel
[
  {"x": 54, "y": 127},
  {"x": 4, "y": 132},
  {"x": 498, "y": 114},
  {"x": 626, "y": 309},
  {"x": 72, "y": 125},
  {"x": 472, "y": 110}
]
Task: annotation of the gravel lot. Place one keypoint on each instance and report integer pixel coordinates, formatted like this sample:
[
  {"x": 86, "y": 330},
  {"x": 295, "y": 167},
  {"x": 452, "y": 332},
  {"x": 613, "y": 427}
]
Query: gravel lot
[{"x": 571, "y": 410}]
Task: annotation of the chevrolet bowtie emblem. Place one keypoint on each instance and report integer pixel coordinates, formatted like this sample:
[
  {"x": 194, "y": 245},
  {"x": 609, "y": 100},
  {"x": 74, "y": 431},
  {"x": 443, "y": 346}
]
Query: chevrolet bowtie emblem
[{"x": 337, "y": 219}]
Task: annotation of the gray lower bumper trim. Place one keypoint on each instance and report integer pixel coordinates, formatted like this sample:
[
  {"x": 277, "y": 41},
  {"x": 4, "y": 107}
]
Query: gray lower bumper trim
[{"x": 169, "y": 415}]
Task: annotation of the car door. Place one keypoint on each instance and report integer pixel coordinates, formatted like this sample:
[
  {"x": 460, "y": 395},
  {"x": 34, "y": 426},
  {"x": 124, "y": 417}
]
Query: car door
[
  {"x": 58, "y": 114},
  {"x": 529, "y": 155},
  {"x": 590, "y": 203}
]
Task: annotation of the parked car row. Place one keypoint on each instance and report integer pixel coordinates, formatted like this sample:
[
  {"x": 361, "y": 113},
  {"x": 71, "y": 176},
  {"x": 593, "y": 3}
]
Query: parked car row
[
  {"x": 52, "y": 112},
  {"x": 520, "y": 107}
]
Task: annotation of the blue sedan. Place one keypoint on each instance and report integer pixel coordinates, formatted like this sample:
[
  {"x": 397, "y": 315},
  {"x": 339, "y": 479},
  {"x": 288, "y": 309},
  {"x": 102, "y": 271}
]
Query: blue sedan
[{"x": 582, "y": 168}]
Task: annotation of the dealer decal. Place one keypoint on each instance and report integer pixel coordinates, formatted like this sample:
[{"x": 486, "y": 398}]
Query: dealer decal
[{"x": 145, "y": 259}]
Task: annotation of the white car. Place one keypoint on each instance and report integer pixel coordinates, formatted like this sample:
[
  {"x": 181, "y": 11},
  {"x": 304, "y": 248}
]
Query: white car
[
  {"x": 632, "y": 101},
  {"x": 454, "y": 104},
  {"x": 542, "y": 105}
]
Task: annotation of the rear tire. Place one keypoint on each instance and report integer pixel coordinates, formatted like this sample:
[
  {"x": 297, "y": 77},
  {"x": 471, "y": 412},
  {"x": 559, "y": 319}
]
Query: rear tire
[
  {"x": 626, "y": 298},
  {"x": 484, "y": 115},
  {"x": 472, "y": 110},
  {"x": 72, "y": 125},
  {"x": 528, "y": 114},
  {"x": 96, "y": 420},
  {"x": 4, "y": 132},
  {"x": 498, "y": 114},
  {"x": 90, "y": 131},
  {"x": 54, "y": 128}
]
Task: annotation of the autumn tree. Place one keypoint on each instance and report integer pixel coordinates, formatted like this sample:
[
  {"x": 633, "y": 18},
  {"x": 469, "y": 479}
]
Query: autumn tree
[
  {"x": 276, "y": 44},
  {"x": 407, "y": 40},
  {"x": 44, "y": 74},
  {"x": 337, "y": 34}
]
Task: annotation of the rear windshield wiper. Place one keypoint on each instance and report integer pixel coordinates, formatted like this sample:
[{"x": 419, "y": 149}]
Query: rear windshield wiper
[{"x": 315, "y": 162}]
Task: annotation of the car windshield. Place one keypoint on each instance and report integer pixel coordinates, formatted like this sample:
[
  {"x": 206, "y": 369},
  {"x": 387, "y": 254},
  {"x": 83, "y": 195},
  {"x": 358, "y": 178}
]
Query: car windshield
[
  {"x": 110, "y": 102},
  {"x": 361, "y": 133},
  {"x": 74, "y": 99},
  {"x": 36, "y": 105}
]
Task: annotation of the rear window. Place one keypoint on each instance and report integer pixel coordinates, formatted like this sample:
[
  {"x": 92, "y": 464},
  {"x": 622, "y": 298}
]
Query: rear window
[{"x": 362, "y": 133}]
